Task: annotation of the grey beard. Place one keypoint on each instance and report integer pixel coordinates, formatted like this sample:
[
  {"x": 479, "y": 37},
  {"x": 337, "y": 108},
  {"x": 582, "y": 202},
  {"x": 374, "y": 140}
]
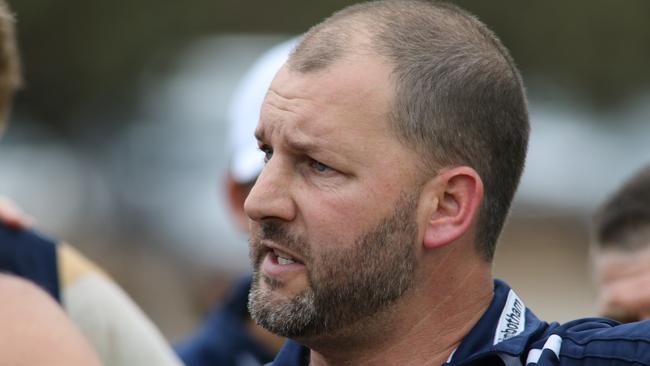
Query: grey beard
[
  {"x": 289, "y": 318},
  {"x": 348, "y": 286}
]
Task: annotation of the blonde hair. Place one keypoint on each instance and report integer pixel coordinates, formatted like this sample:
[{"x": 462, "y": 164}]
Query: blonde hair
[{"x": 10, "y": 76}]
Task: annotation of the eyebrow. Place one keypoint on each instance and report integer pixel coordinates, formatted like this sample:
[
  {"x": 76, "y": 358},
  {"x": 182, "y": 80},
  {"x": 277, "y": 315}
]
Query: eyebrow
[{"x": 299, "y": 145}]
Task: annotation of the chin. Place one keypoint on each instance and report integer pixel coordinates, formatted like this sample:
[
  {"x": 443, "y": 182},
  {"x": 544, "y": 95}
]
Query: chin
[{"x": 280, "y": 288}]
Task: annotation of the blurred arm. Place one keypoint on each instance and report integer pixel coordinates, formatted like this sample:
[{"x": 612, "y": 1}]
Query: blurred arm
[
  {"x": 35, "y": 331},
  {"x": 121, "y": 333}
]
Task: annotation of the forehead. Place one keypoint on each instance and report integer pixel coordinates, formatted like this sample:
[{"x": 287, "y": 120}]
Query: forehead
[{"x": 352, "y": 96}]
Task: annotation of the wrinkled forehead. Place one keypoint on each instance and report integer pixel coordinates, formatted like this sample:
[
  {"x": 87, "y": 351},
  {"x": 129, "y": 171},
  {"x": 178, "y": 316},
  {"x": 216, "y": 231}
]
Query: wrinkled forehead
[{"x": 355, "y": 90}]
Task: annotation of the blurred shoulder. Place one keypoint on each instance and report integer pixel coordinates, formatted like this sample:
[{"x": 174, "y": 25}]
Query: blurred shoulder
[
  {"x": 596, "y": 341},
  {"x": 73, "y": 265},
  {"x": 35, "y": 330}
]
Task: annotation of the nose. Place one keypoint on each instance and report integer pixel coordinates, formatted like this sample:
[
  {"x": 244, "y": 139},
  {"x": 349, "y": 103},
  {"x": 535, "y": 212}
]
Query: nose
[{"x": 270, "y": 197}]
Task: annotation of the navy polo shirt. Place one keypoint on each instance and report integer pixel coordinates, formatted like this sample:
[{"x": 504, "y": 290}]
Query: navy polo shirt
[{"x": 509, "y": 334}]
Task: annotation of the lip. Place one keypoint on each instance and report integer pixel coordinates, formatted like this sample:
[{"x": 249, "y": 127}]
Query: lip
[
  {"x": 270, "y": 247},
  {"x": 280, "y": 272}
]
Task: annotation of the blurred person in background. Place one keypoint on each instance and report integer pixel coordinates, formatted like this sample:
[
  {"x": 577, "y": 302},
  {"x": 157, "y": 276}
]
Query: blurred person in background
[
  {"x": 117, "y": 329},
  {"x": 620, "y": 251},
  {"x": 228, "y": 336},
  {"x": 34, "y": 329}
]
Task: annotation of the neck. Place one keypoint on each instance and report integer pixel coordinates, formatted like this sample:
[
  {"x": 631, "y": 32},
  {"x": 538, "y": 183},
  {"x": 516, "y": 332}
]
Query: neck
[
  {"x": 424, "y": 328},
  {"x": 270, "y": 342}
]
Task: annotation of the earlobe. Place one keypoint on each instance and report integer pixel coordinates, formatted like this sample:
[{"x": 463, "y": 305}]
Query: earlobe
[{"x": 456, "y": 194}]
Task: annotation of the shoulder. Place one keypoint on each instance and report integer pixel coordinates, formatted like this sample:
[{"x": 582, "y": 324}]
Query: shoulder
[
  {"x": 601, "y": 338},
  {"x": 120, "y": 331},
  {"x": 33, "y": 321},
  {"x": 20, "y": 298},
  {"x": 594, "y": 341},
  {"x": 74, "y": 266}
]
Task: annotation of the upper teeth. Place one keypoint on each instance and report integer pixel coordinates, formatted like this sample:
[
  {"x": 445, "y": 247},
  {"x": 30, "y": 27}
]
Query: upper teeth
[
  {"x": 283, "y": 258},
  {"x": 284, "y": 261}
]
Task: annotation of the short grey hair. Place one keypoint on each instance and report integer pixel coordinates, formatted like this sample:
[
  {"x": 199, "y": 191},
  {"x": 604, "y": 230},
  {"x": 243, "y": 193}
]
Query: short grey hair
[{"x": 460, "y": 99}]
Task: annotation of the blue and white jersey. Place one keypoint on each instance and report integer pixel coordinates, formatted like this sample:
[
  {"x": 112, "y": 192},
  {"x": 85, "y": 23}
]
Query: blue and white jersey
[{"x": 509, "y": 334}]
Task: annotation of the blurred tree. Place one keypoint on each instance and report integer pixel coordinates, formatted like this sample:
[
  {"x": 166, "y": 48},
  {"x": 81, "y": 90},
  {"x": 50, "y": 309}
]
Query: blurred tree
[
  {"x": 601, "y": 48},
  {"x": 81, "y": 54}
]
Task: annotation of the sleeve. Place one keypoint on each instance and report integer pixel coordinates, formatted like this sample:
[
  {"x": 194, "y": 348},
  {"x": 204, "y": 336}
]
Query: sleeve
[
  {"x": 27, "y": 254},
  {"x": 595, "y": 342},
  {"x": 120, "y": 332}
]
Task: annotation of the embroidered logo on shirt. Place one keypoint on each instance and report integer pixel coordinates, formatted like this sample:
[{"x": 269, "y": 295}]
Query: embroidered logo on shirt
[{"x": 513, "y": 319}]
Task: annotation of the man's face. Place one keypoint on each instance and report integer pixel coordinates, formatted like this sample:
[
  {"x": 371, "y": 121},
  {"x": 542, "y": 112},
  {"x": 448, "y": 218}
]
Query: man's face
[
  {"x": 623, "y": 284},
  {"x": 335, "y": 220}
]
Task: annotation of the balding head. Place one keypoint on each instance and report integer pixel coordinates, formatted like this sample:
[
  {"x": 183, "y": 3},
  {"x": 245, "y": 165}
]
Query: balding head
[{"x": 459, "y": 97}]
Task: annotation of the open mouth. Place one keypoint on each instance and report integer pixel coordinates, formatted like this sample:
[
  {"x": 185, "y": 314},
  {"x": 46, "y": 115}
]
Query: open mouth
[
  {"x": 281, "y": 264},
  {"x": 282, "y": 258}
]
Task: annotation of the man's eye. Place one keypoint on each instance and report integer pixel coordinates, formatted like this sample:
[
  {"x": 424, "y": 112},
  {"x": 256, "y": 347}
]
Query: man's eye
[
  {"x": 319, "y": 167},
  {"x": 268, "y": 153}
]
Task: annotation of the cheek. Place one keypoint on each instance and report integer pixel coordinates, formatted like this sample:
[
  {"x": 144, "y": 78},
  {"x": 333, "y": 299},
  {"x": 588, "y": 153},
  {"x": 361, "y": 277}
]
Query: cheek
[{"x": 335, "y": 221}]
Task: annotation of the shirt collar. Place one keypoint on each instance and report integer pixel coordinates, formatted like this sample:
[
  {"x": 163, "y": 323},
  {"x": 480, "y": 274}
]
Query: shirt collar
[{"x": 505, "y": 328}]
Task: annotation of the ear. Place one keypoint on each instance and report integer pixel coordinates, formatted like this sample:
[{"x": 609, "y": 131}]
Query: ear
[
  {"x": 453, "y": 199},
  {"x": 237, "y": 193}
]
